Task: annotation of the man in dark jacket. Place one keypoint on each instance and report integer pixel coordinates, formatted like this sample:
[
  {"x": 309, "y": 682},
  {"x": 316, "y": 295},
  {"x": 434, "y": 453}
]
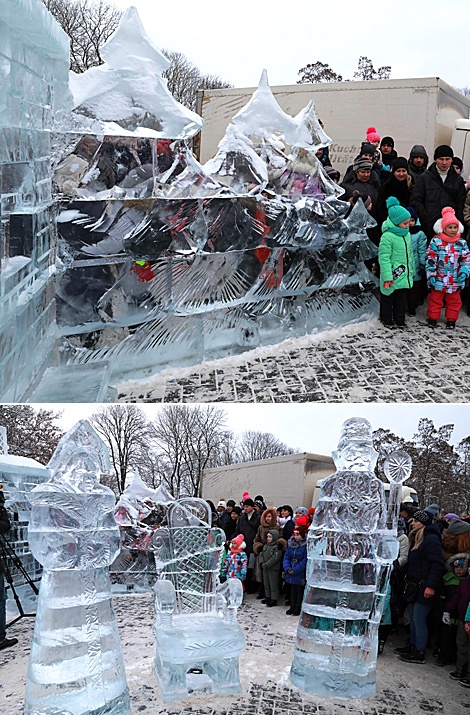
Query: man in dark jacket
[
  {"x": 4, "y": 527},
  {"x": 418, "y": 161},
  {"x": 437, "y": 187},
  {"x": 247, "y": 525}
]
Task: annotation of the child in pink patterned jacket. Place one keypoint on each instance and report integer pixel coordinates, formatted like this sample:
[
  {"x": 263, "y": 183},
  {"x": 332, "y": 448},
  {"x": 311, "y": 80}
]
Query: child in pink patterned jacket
[{"x": 447, "y": 267}]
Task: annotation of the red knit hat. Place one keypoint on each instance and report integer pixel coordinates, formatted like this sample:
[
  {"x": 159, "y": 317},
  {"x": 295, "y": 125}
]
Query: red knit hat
[
  {"x": 448, "y": 217},
  {"x": 371, "y": 135},
  {"x": 301, "y": 529}
]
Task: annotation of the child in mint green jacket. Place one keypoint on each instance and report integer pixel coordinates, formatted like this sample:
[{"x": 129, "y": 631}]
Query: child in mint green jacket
[{"x": 397, "y": 266}]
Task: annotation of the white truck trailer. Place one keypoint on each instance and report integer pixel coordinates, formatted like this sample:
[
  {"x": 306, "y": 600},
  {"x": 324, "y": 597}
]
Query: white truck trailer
[
  {"x": 412, "y": 111},
  {"x": 289, "y": 479}
]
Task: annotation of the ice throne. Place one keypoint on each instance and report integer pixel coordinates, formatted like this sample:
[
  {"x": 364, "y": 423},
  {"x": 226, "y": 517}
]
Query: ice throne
[{"x": 197, "y": 638}]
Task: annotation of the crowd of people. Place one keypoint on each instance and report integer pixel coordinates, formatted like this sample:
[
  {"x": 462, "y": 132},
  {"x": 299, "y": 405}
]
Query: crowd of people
[
  {"x": 429, "y": 592},
  {"x": 422, "y": 212}
]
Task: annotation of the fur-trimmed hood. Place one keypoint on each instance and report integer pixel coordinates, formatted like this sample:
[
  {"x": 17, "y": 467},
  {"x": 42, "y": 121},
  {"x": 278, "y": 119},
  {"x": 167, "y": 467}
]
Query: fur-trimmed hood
[
  {"x": 455, "y": 557},
  {"x": 270, "y": 525}
]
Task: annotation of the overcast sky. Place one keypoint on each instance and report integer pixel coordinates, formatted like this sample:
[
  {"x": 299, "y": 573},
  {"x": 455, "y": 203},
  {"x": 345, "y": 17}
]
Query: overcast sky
[
  {"x": 310, "y": 427},
  {"x": 418, "y": 38}
]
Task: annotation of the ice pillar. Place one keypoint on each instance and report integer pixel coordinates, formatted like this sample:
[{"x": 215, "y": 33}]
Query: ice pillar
[
  {"x": 351, "y": 545},
  {"x": 76, "y": 665}
]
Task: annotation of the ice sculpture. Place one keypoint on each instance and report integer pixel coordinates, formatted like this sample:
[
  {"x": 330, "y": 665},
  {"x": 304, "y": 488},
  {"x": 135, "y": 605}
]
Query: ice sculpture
[
  {"x": 127, "y": 95},
  {"x": 34, "y": 65},
  {"x": 197, "y": 638},
  {"x": 351, "y": 546},
  {"x": 76, "y": 665},
  {"x": 19, "y": 475},
  {"x": 139, "y": 511}
]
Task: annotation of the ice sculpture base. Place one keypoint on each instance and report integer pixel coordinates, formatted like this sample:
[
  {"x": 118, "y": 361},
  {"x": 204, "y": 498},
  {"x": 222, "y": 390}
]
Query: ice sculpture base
[
  {"x": 172, "y": 341},
  {"x": 119, "y": 706},
  {"x": 307, "y": 675},
  {"x": 192, "y": 655}
]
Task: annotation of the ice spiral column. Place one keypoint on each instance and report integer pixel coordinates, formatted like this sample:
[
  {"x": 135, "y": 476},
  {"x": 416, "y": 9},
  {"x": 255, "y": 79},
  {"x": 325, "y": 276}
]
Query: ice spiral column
[
  {"x": 350, "y": 549},
  {"x": 76, "y": 665}
]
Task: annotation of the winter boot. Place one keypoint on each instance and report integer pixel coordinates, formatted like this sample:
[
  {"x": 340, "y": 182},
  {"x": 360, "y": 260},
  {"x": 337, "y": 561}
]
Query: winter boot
[
  {"x": 406, "y": 650},
  {"x": 271, "y": 603},
  {"x": 417, "y": 656},
  {"x": 432, "y": 322},
  {"x": 450, "y": 324}
]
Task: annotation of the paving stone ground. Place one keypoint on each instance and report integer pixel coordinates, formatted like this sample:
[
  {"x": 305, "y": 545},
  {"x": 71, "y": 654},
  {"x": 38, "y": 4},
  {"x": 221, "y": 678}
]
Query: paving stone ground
[
  {"x": 402, "y": 689},
  {"x": 358, "y": 363}
]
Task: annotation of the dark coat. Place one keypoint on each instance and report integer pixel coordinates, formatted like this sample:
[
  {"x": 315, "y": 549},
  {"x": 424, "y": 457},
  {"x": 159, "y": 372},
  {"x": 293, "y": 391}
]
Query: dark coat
[
  {"x": 429, "y": 196},
  {"x": 414, "y": 172},
  {"x": 4, "y": 526},
  {"x": 230, "y": 528},
  {"x": 295, "y": 561},
  {"x": 248, "y": 527},
  {"x": 458, "y": 604},
  {"x": 401, "y": 190},
  {"x": 288, "y": 528},
  {"x": 426, "y": 564},
  {"x": 370, "y": 188}
]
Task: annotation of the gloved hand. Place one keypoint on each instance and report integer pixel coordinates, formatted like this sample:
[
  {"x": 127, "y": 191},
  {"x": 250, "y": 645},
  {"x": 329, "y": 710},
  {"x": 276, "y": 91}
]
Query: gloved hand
[
  {"x": 428, "y": 592},
  {"x": 446, "y": 618}
]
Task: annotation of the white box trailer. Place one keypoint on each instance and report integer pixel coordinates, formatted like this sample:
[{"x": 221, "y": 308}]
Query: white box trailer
[
  {"x": 412, "y": 111},
  {"x": 461, "y": 143},
  {"x": 289, "y": 479}
]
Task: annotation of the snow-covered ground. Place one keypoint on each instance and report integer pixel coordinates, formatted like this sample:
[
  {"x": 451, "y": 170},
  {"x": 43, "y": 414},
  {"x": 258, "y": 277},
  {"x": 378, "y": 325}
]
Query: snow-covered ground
[
  {"x": 361, "y": 362},
  {"x": 402, "y": 689}
]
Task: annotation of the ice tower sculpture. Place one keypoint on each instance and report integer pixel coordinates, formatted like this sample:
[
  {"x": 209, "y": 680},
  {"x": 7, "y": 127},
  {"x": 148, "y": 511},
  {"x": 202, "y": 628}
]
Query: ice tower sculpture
[
  {"x": 34, "y": 64},
  {"x": 76, "y": 664},
  {"x": 352, "y": 544},
  {"x": 197, "y": 638}
]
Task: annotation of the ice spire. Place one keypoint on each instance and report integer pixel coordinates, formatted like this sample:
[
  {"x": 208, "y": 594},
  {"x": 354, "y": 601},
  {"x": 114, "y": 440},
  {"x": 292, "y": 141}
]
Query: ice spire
[{"x": 127, "y": 94}]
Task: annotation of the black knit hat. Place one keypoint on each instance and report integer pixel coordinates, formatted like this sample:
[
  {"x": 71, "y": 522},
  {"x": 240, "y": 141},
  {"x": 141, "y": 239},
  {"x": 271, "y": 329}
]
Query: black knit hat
[
  {"x": 388, "y": 141},
  {"x": 231, "y": 503},
  {"x": 367, "y": 148},
  {"x": 400, "y": 163},
  {"x": 248, "y": 502},
  {"x": 443, "y": 150},
  {"x": 423, "y": 517}
]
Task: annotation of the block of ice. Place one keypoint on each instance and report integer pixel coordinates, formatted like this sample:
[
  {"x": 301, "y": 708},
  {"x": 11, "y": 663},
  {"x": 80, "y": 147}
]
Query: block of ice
[
  {"x": 197, "y": 639},
  {"x": 76, "y": 664},
  {"x": 351, "y": 546}
]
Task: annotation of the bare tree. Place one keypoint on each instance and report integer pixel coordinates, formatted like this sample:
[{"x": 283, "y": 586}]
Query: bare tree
[
  {"x": 464, "y": 90},
  {"x": 88, "y": 23},
  {"x": 385, "y": 442},
  {"x": 365, "y": 70},
  {"x": 31, "y": 433},
  {"x": 260, "y": 445},
  {"x": 184, "y": 79},
  {"x": 318, "y": 72},
  {"x": 190, "y": 440},
  {"x": 128, "y": 435}
]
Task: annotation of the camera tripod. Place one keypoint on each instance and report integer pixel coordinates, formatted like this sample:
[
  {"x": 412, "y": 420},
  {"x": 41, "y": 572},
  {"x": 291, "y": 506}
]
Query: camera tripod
[{"x": 7, "y": 555}]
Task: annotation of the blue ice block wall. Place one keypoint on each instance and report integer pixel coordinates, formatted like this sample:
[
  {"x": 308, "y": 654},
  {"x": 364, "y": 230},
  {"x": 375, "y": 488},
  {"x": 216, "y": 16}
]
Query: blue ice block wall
[{"x": 34, "y": 62}]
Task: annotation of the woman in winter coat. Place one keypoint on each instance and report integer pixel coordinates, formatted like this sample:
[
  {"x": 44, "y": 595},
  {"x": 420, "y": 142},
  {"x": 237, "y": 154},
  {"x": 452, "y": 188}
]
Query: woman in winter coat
[
  {"x": 295, "y": 567},
  {"x": 268, "y": 522},
  {"x": 270, "y": 560},
  {"x": 397, "y": 266},
  {"x": 458, "y": 607},
  {"x": 425, "y": 568},
  {"x": 398, "y": 184}
]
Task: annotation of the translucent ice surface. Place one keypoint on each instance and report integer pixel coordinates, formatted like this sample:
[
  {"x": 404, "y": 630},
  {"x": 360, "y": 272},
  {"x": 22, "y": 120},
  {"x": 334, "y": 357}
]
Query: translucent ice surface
[
  {"x": 127, "y": 94},
  {"x": 76, "y": 665},
  {"x": 351, "y": 546},
  {"x": 197, "y": 638}
]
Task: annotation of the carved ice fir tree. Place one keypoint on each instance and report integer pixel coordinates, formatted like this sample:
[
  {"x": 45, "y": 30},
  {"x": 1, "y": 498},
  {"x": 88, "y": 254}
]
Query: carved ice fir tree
[
  {"x": 351, "y": 546},
  {"x": 76, "y": 665}
]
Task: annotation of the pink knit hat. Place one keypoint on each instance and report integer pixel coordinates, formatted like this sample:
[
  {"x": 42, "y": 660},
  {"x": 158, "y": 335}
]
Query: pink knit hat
[
  {"x": 371, "y": 135},
  {"x": 448, "y": 217},
  {"x": 238, "y": 540},
  {"x": 245, "y": 496}
]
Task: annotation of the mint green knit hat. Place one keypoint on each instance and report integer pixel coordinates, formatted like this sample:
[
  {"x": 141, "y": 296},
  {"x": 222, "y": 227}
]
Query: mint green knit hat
[{"x": 396, "y": 212}]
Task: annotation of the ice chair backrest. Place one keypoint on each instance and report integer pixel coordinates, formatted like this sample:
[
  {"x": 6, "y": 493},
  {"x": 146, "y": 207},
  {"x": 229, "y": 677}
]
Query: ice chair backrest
[{"x": 188, "y": 553}]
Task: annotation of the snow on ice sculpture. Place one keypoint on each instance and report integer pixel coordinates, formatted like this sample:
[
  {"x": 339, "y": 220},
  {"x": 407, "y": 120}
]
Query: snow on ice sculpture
[
  {"x": 127, "y": 95},
  {"x": 139, "y": 511},
  {"x": 351, "y": 546},
  {"x": 76, "y": 665},
  {"x": 197, "y": 638}
]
